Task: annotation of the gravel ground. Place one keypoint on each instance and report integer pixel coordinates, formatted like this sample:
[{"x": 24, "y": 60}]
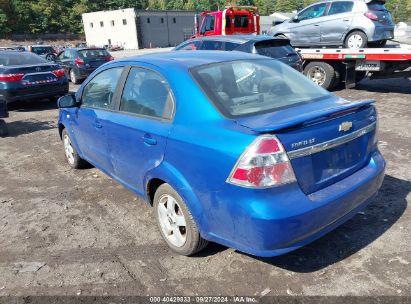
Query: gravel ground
[{"x": 72, "y": 232}]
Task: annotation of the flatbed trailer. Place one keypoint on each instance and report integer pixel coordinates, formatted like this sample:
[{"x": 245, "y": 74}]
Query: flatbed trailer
[{"x": 330, "y": 68}]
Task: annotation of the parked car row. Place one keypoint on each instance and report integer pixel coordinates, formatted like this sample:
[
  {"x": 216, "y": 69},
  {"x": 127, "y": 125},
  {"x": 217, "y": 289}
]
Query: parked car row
[{"x": 29, "y": 75}]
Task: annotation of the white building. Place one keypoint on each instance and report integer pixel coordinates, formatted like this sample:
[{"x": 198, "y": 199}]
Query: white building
[
  {"x": 111, "y": 28},
  {"x": 134, "y": 29}
]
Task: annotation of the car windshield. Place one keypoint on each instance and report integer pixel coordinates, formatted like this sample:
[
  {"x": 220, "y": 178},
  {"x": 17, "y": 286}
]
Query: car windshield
[
  {"x": 249, "y": 87},
  {"x": 94, "y": 53},
  {"x": 42, "y": 50},
  {"x": 20, "y": 58}
]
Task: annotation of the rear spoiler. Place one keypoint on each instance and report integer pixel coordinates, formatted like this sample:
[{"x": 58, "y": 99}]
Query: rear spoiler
[{"x": 288, "y": 118}]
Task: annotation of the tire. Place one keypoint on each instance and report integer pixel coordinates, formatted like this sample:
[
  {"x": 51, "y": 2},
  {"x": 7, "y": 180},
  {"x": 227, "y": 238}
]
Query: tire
[
  {"x": 50, "y": 57},
  {"x": 3, "y": 128},
  {"x": 176, "y": 223},
  {"x": 337, "y": 81},
  {"x": 356, "y": 40},
  {"x": 377, "y": 44},
  {"x": 73, "y": 77},
  {"x": 72, "y": 157},
  {"x": 321, "y": 73}
]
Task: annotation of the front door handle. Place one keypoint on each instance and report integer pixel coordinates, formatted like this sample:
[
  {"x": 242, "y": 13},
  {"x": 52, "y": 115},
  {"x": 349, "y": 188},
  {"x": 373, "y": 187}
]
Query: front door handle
[
  {"x": 346, "y": 19},
  {"x": 149, "y": 140}
]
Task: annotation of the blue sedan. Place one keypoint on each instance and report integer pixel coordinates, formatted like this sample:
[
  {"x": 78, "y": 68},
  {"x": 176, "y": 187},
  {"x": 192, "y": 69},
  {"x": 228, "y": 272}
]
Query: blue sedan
[{"x": 227, "y": 147}]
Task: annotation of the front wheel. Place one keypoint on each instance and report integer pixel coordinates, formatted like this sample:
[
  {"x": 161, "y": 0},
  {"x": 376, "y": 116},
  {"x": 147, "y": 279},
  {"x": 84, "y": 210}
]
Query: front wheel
[
  {"x": 74, "y": 160},
  {"x": 356, "y": 40},
  {"x": 176, "y": 224}
]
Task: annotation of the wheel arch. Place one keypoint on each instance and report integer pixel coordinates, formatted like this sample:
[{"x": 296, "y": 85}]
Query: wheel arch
[
  {"x": 167, "y": 173},
  {"x": 355, "y": 30}
]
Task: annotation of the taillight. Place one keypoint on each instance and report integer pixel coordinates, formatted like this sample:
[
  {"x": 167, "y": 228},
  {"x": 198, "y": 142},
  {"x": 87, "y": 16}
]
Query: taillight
[
  {"x": 263, "y": 164},
  {"x": 79, "y": 61},
  {"x": 11, "y": 77},
  {"x": 111, "y": 58},
  {"x": 371, "y": 16},
  {"x": 59, "y": 73}
]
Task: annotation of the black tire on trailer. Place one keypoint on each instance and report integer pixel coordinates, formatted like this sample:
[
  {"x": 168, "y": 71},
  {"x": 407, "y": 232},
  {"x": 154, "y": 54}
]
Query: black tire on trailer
[
  {"x": 320, "y": 73},
  {"x": 377, "y": 44}
]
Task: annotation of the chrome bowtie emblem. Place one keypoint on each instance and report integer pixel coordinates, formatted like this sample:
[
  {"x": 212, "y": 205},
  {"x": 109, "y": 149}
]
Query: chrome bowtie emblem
[{"x": 345, "y": 126}]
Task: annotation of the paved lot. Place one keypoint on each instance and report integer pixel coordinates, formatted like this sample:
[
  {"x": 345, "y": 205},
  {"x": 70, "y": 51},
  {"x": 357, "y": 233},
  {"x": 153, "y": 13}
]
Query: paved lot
[{"x": 65, "y": 232}]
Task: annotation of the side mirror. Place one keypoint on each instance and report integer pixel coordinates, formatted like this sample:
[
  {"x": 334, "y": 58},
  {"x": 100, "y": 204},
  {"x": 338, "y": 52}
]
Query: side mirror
[
  {"x": 295, "y": 19},
  {"x": 67, "y": 101}
]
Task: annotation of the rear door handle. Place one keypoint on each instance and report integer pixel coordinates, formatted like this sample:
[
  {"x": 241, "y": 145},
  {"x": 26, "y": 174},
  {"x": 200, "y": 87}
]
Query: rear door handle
[
  {"x": 98, "y": 125},
  {"x": 149, "y": 140},
  {"x": 346, "y": 19}
]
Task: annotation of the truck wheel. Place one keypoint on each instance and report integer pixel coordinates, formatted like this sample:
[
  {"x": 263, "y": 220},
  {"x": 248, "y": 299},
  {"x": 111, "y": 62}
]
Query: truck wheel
[
  {"x": 176, "y": 223},
  {"x": 356, "y": 40},
  {"x": 3, "y": 128},
  {"x": 320, "y": 73}
]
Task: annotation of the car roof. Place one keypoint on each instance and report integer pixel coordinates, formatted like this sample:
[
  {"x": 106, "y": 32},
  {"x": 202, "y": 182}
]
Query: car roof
[
  {"x": 237, "y": 38},
  {"x": 189, "y": 59},
  {"x": 84, "y": 48}
]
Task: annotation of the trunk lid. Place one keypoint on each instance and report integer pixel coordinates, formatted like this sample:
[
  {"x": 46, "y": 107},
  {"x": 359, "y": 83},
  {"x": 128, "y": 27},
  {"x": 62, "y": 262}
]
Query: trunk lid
[
  {"x": 326, "y": 140},
  {"x": 378, "y": 9},
  {"x": 34, "y": 74}
]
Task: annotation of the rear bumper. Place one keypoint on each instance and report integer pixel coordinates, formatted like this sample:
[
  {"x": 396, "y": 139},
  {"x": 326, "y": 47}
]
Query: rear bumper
[
  {"x": 382, "y": 33},
  {"x": 44, "y": 91},
  {"x": 276, "y": 221}
]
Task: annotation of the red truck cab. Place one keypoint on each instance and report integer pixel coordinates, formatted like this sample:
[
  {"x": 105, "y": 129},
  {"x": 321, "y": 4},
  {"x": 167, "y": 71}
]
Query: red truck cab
[{"x": 233, "y": 20}]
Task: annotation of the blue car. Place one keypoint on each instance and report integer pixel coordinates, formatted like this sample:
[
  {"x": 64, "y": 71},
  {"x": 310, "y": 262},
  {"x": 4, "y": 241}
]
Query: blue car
[{"x": 228, "y": 147}]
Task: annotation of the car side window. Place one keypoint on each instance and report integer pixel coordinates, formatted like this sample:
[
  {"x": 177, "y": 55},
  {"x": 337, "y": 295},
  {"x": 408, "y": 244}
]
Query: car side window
[
  {"x": 190, "y": 46},
  {"x": 212, "y": 45},
  {"x": 147, "y": 93},
  {"x": 98, "y": 93},
  {"x": 340, "y": 7},
  {"x": 209, "y": 23},
  {"x": 314, "y": 11},
  {"x": 229, "y": 46}
]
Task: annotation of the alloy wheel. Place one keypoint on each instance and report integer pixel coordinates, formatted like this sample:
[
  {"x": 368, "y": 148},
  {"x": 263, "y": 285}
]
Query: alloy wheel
[
  {"x": 68, "y": 149},
  {"x": 172, "y": 220},
  {"x": 355, "y": 41}
]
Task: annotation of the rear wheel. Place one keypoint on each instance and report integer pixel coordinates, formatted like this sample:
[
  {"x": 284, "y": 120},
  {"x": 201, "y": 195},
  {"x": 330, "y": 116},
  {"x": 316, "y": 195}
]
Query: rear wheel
[
  {"x": 321, "y": 73},
  {"x": 176, "y": 224},
  {"x": 73, "y": 77},
  {"x": 356, "y": 40}
]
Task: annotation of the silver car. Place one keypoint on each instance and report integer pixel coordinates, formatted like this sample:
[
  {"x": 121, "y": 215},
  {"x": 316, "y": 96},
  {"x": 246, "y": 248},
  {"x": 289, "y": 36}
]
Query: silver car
[{"x": 348, "y": 23}]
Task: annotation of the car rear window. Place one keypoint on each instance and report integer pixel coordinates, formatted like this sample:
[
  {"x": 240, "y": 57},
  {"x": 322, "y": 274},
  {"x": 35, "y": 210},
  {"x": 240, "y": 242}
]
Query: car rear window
[
  {"x": 94, "y": 53},
  {"x": 274, "y": 49},
  {"x": 42, "y": 50},
  {"x": 20, "y": 58},
  {"x": 248, "y": 87},
  {"x": 376, "y": 6}
]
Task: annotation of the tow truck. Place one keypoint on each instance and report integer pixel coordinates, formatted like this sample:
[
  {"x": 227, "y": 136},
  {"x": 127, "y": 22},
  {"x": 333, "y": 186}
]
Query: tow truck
[
  {"x": 330, "y": 68},
  {"x": 230, "y": 21}
]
